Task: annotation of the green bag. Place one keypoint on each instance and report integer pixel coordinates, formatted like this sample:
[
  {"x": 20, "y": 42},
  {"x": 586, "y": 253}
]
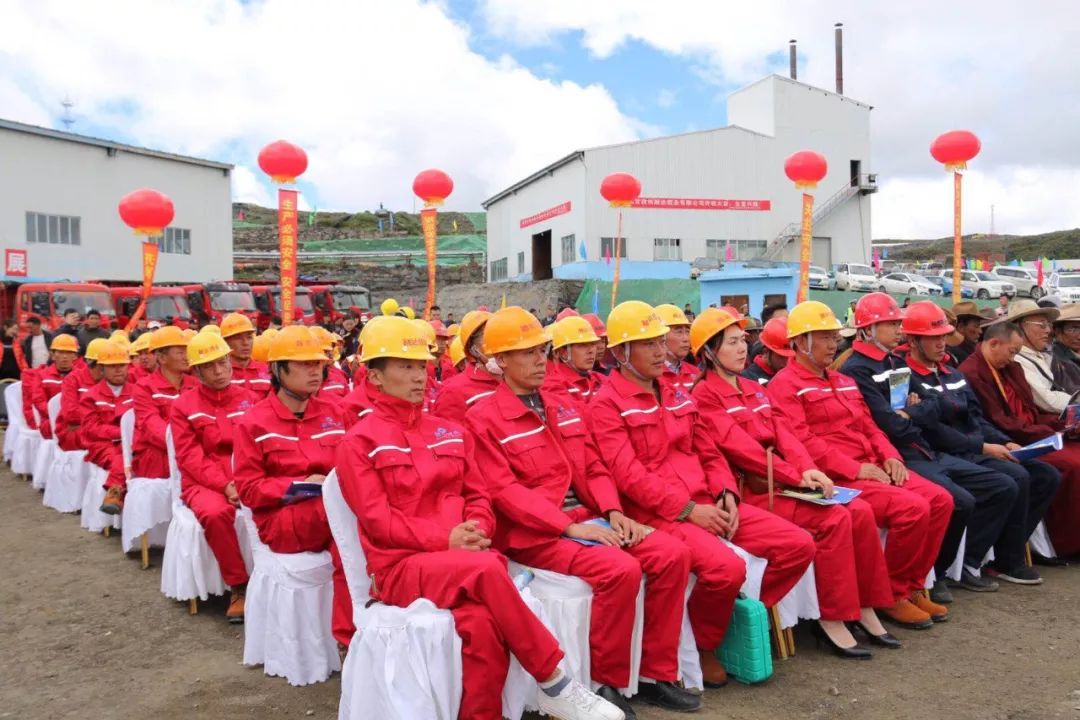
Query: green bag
[{"x": 746, "y": 651}]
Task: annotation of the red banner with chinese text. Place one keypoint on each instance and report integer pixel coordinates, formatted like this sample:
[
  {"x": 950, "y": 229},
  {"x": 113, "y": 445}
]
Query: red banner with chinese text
[
  {"x": 957, "y": 240},
  {"x": 701, "y": 204},
  {"x": 804, "y": 247},
  {"x": 545, "y": 215},
  {"x": 287, "y": 232},
  {"x": 429, "y": 226},
  {"x": 15, "y": 263},
  {"x": 149, "y": 267}
]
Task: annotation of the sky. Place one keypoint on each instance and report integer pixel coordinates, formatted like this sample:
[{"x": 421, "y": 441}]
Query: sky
[{"x": 492, "y": 90}]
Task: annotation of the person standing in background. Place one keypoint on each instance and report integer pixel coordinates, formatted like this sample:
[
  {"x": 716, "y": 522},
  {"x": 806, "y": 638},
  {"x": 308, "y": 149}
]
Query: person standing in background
[
  {"x": 91, "y": 329},
  {"x": 35, "y": 345}
]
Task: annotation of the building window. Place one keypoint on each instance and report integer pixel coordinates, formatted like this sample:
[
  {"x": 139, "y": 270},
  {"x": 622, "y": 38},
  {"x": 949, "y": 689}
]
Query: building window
[
  {"x": 521, "y": 263},
  {"x": 740, "y": 249},
  {"x": 667, "y": 249},
  {"x": 607, "y": 247},
  {"x": 498, "y": 270},
  {"x": 175, "y": 241},
  {"x": 715, "y": 249},
  {"x": 567, "y": 249},
  {"x": 53, "y": 229}
]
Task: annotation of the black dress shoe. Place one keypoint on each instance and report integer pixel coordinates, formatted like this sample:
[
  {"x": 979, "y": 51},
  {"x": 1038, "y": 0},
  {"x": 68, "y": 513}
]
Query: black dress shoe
[
  {"x": 612, "y": 696},
  {"x": 858, "y": 652},
  {"x": 1039, "y": 559},
  {"x": 668, "y": 696},
  {"x": 885, "y": 640}
]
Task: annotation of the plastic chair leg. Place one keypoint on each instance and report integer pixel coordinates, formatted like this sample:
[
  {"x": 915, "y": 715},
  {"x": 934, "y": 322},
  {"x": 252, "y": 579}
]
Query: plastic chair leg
[{"x": 144, "y": 547}]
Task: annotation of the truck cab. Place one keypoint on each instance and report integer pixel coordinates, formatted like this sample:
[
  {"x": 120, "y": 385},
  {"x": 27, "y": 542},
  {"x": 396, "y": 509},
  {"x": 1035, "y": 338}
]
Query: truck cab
[
  {"x": 168, "y": 305},
  {"x": 268, "y": 304},
  {"x": 49, "y": 301},
  {"x": 211, "y": 302}
]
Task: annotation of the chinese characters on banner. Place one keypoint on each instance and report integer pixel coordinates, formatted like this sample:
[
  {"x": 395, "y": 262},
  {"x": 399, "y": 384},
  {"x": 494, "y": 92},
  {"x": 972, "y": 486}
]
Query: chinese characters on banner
[
  {"x": 957, "y": 238},
  {"x": 701, "y": 204},
  {"x": 287, "y": 230},
  {"x": 804, "y": 248},
  {"x": 545, "y": 215},
  {"x": 429, "y": 226},
  {"x": 15, "y": 264},
  {"x": 150, "y": 252}
]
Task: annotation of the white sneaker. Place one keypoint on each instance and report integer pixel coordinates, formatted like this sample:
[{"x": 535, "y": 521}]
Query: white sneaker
[{"x": 576, "y": 702}]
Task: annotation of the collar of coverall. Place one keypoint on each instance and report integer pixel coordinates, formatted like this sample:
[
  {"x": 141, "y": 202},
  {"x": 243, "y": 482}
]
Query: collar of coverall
[
  {"x": 510, "y": 405},
  {"x": 218, "y": 397},
  {"x": 870, "y": 350},
  {"x": 394, "y": 408}
]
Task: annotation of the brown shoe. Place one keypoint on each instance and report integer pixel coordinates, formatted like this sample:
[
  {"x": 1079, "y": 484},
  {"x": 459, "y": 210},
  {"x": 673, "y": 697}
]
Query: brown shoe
[
  {"x": 712, "y": 671},
  {"x": 905, "y": 614},
  {"x": 937, "y": 613},
  {"x": 114, "y": 501},
  {"x": 235, "y": 613}
]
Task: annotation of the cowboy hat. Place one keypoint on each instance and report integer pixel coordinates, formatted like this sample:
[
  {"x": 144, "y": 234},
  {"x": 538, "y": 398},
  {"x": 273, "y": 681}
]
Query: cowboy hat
[
  {"x": 967, "y": 308},
  {"x": 1069, "y": 313},
  {"x": 1021, "y": 309}
]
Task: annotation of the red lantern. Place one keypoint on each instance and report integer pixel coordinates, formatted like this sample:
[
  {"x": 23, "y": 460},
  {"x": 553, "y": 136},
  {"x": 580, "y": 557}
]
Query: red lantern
[
  {"x": 806, "y": 168},
  {"x": 283, "y": 161},
  {"x": 620, "y": 189},
  {"x": 147, "y": 211},
  {"x": 955, "y": 148},
  {"x": 433, "y": 187}
]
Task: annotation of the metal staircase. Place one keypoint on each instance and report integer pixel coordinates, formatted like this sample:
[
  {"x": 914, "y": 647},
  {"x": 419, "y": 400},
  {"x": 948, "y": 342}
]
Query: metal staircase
[{"x": 863, "y": 185}]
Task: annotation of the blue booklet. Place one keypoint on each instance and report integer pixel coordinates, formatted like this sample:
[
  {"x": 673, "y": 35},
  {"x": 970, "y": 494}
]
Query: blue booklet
[
  {"x": 302, "y": 491},
  {"x": 899, "y": 387},
  {"x": 595, "y": 521},
  {"x": 1039, "y": 447},
  {"x": 1071, "y": 417},
  {"x": 841, "y": 495}
]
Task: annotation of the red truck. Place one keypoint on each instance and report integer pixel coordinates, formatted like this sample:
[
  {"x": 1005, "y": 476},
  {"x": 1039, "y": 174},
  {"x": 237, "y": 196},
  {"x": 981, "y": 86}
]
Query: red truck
[
  {"x": 268, "y": 304},
  {"x": 212, "y": 301},
  {"x": 168, "y": 305},
  {"x": 333, "y": 301},
  {"x": 49, "y": 301}
]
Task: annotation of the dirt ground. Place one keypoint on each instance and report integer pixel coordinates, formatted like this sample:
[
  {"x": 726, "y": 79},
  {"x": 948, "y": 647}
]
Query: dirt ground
[{"x": 84, "y": 632}]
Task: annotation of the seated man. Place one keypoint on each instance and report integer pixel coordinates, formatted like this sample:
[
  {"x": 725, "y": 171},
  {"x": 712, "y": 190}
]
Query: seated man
[
  {"x": 248, "y": 372},
  {"x": 679, "y": 369},
  {"x": 84, "y": 376},
  {"x": 573, "y": 354},
  {"x": 549, "y": 486},
  {"x": 63, "y": 352},
  {"x": 425, "y": 525},
  {"x": 477, "y": 381},
  {"x": 202, "y": 423},
  {"x": 775, "y": 352},
  {"x": 646, "y": 431},
  {"x": 143, "y": 362},
  {"x": 1066, "y": 347},
  {"x": 102, "y": 408},
  {"x": 1053, "y": 385},
  {"x": 336, "y": 385}
]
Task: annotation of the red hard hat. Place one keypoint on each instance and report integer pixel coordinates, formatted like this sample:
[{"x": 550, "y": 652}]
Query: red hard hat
[
  {"x": 926, "y": 318},
  {"x": 730, "y": 310},
  {"x": 597, "y": 324},
  {"x": 774, "y": 337},
  {"x": 876, "y": 308},
  {"x": 567, "y": 312}
]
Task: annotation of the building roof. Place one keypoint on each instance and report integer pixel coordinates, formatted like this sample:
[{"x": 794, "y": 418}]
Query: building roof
[
  {"x": 108, "y": 144},
  {"x": 784, "y": 78}
]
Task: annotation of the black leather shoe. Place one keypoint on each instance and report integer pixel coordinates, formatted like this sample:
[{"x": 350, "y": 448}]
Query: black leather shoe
[
  {"x": 885, "y": 640},
  {"x": 858, "y": 652},
  {"x": 668, "y": 696},
  {"x": 1038, "y": 559},
  {"x": 612, "y": 696}
]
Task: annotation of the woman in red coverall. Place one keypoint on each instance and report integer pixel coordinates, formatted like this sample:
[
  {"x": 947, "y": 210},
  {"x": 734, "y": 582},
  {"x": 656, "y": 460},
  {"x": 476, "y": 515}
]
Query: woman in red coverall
[
  {"x": 425, "y": 526},
  {"x": 738, "y": 421}
]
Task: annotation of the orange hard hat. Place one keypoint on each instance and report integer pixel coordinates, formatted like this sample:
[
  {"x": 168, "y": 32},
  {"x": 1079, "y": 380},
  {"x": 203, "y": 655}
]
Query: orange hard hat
[
  {"x": 513, "y": 328},
  {"x": 296, "y": 342},
  {"x": 473, "y": 321},
  {"x": 235, "y": 324},
  {"x": 168, "y": 336},
  {"x": 706, "y": 326}
]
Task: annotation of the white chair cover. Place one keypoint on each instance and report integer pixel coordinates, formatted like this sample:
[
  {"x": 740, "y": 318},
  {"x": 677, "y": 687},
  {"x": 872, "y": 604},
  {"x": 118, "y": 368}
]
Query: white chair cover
[
  {"x": 26, "y": 439},
  {"x": 44, "y": 457},
  {"x": 801, "y": 602},
  {"x": 147, "y": 504},
  {"x": 66, "y": 481},
  {"x": 13, "y": 404},
  {"x": 1040, "y": 541},
  {"x": 91, "y": 517},
  {"x": 287, "y": 612}
]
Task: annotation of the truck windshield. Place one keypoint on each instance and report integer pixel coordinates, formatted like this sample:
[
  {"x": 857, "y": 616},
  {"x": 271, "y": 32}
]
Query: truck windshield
[
  {"x": 83, "y": 301},
  {"x": 232, "y": 300},
  {"x": 160, "y": 307},
  {"x": 344, "y": 300},
  {"x": 302, "y": 301}
]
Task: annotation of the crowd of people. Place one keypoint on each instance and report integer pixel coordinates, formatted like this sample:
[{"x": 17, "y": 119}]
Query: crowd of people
[{"x": 611, "y": 452}]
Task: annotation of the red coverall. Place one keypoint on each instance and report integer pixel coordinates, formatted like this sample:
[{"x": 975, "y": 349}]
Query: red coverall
[
  {"x": 31, "y": 382},
  {"x": 137, "y": 372},
  {"x": 458, "y": 394},
  {"x": 202, "y": 423},
  {"x": 530, "y": 466},
  {"x": 446, "y": 368},
  {"x": 358, "y": 403},
  {"x": 72, "y": 391},
  {"x": 410, "y": 478},
  {"x": 563, "y": 378},
  {"x": 336, "y": 385},
  {"x": 649, "y": 450},
  {"x": 154, "y": 398},
  {"x": 849, "y": 564},
  {"x": 49, "y": 384},
  {"x": 684, "y": 377},
  {"x": 830, "y": 418},
  {"x": 254, "y": 377},
  {"x": 100, "y": 431}
]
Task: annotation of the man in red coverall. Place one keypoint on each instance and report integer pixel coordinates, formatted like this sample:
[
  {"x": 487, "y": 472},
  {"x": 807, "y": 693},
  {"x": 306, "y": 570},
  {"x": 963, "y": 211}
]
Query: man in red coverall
[
  {"x": 552, "y": 494},
  {"x": 425, "y": 525},
  {"x": 645, "y": 431},
  {"x": 336, "y": 385},
  {"x": 444, "y": 368},
  {"x": 679, "y": 369},
  {"x": 248, "y": 372},
  {"x": 72, "y": 391},
  {"x": 202, "y": 423},
  {"x": 573, "y": 354},
  {"x": 63, "y": 352},
  {"x": 826, "y": 412},
  {"x": 478, "y": 380},
  {"x": 102, "y": 408}
]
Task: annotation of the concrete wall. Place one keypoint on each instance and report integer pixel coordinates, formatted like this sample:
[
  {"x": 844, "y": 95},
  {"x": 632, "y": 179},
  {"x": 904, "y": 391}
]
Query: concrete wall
[{"x": 59, "y": 177}]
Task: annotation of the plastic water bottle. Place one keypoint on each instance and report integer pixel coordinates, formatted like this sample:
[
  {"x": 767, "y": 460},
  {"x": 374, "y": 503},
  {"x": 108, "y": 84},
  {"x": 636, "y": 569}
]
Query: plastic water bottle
[{"x": 522, "y": 579}]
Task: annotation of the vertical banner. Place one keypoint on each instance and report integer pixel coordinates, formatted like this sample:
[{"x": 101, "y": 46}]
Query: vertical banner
[
  {"x": 804, "y": 248},
  {"x": 149, "y": 267},
  {"x": 287, "y": 230},
  {"x": 957, "y": 248},
  {"x": 429, "y": 226},
  {"x": 618, "y": 255}
]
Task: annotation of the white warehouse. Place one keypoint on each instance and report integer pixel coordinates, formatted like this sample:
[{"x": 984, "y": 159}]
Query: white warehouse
[
  {"x": 702, "y": 192},
  {"x": 59, "y": 196}
]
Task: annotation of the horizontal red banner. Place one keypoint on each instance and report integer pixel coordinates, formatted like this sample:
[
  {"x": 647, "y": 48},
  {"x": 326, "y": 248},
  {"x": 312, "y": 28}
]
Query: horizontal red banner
[
  {"x": 546, "y": 214},
  {"x": 701, "y": 204}
]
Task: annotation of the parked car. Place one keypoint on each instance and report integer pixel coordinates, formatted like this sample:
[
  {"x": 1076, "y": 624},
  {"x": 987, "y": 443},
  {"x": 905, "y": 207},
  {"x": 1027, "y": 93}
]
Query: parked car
[
  {"x": 946, "y": 286},
  {"x": 907, "y": 284},
  {"x": 853, "y": 276},
  {"x": 819, "y": 278},
  {"x": 1065, "y": 285},
  {"x": 931, "y": 268},
  {"x": 1025, "y": 279},
  {"x": 983, "y": 283}
]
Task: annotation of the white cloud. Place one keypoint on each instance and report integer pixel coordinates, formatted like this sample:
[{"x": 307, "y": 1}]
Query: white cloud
[
  {"x": 247, "y": 188},
  {"x": 665, "y": 98}
]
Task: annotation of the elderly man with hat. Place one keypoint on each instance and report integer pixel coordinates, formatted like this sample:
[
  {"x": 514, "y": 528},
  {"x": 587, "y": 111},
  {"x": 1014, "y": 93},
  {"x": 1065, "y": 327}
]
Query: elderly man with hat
[
  {"x": 969, "y": 323},
  {"x": 1035, "y": 324},
  {"x": 1066, "y": 347}
]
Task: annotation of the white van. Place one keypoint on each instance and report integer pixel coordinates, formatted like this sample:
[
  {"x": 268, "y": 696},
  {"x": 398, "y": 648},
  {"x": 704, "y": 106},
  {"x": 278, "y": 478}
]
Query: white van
[{"x": 1025, "y": 279}]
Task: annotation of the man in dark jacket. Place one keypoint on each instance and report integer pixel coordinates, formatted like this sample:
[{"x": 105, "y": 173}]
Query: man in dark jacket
[
  {"x": 35, "y": 345},
  {"x": 91, "y": 329},
  {"x": 983, "y": 497},
  {"x": 1066, "y": 347},
  {"x": 960, "y": 429},
  {"x": 71, "y": 324}
]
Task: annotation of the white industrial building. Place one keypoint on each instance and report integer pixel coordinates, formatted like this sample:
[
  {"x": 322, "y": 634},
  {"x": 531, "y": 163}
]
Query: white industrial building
[
  {"x": 701, "y": 191},
  {"x": 58, "y": 201}
]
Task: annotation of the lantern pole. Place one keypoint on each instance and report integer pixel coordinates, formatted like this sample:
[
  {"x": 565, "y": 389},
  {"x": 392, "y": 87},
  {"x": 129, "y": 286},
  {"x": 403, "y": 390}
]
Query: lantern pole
[
  {"x": 618, "y": 254},
  {"x": 804, "y": 247},
  {"x": 284, "y": 162},
  {"x": 958, "y": 240},
  {"x": 432, "y": 186}
]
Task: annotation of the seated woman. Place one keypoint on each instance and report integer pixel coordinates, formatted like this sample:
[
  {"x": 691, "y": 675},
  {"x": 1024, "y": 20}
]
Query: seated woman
[
  {"x": 426, "y": 525},
  {"x": 849, "y": 564}
]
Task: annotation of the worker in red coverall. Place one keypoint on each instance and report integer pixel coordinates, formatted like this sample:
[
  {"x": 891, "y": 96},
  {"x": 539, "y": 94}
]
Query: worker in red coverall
[
  {"x": 336, "y": 383},
  {"x": 573, "y": 353},
  {"x": 102, "y": 408},
  {"x": 679, "y": 370},
  {"x": 431, "y": 391},
  {"x": 63, "y": 352},
  {"x": 143, "y": 362},
  {"x": 444, "y": 368},
  {"x": 479, "y": 378},
  {"x": 426, "y": 524},
  {"x": 826, "y": 412},
  {"x": 645, "y": 431},
  {"x": 203, "y": 424},
  {"x": 774, "y": 354},
  {"x": 289, "y": 437},
  {"x": 552, "y": 494},
  {"x": 73, "y": 389},
  {"x": 248, "y": 372},
  {"x": 31, "y": 387},
  {"x": 154, "y": 396},
  {"x": 736, "y": 416}
]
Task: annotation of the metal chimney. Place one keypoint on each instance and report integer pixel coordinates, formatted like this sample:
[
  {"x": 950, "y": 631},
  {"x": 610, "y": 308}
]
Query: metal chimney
[
  {"x": 839, "y": 58},
  {"x": 794, "y": 64}
]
